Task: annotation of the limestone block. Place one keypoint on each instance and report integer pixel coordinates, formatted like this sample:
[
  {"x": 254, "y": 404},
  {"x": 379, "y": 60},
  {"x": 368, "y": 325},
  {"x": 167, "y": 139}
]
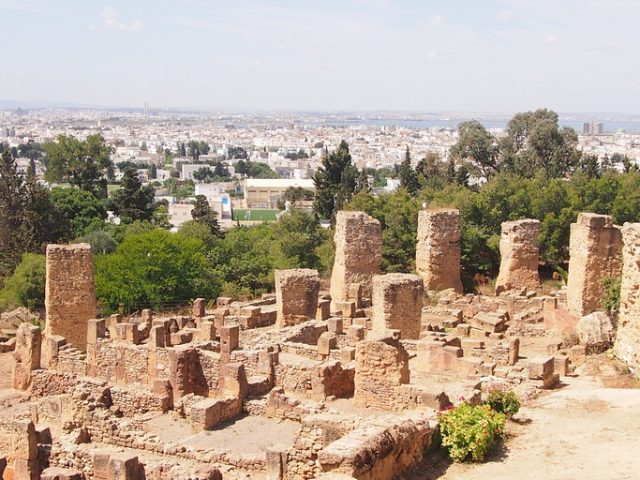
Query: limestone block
[
  {"x": 324, "y": 310},
  {"x": 540, "y": 368},
  {"x": 561, "y": 365},
  {"x": 223, "y": 301},
  {"x": 55, "y": 473},
  {"x": 358, "y": 256},
  {"x": 397, "y": 304},
  {"x": 146, "y": 315},
  {"x": 489, "y": 322},
  {"x": 229, "y": 338},
  {"x": 438, "y": 249},
  {"x": 519, "y": 254},
  {"x": 355, "y": 334},
  {"x": 514, "y": 351},
  {"x": 595, "y": 250},
  {"x": 347, "y": 308},
  {"x": 335, "y": 325},
  {"x": 326, "y": 342},
  {"x": 235, "y": 380},
  {"x": 96, "y": 329},
  {"x": 157, "y": 337},
  {"x": 436, "y": 357},
  {"x": 26, "y": 355},
  {"x": 207, "y": 330},
  {"x": 347, "y": 354},
  {"x": 70, "y": 298},
  {"x": 355, "y": 294},
  {"x": 596, "y": 332},
  {"x": 276, "y": 460},
  {"x": 296, "y": 295},
  {"x": 123, "y": 466},
  {"x": 199, "y": 305}
]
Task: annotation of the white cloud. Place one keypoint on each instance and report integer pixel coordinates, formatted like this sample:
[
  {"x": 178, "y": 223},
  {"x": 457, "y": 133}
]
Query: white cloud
[
  {"x": 111, "y": 21},
  {"x": 431, "y": 54},
  {"x": 550, "y": 39},
  {"x": 505, "y": 15},
  {"x": 435, "y": 21}
]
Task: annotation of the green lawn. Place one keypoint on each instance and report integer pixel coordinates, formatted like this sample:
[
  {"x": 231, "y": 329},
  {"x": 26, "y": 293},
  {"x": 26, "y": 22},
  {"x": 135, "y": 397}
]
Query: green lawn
[{"x": 256, "y": 215}]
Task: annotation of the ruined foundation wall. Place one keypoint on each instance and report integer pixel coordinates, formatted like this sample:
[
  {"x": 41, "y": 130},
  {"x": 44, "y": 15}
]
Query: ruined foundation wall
[
  {"x": 595, "y": 250},
  {"x": 397, "y": 304},
  {"x": 70, "y": 297},
  {"x": 519, "y": 254},
  {"x": 358, "y": 240},
  {"x": 627, "y": 346},
  {"x": 438, "y": 249}
]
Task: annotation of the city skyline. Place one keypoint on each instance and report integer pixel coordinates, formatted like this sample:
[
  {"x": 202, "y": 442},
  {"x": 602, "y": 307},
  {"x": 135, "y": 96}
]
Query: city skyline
[{"x": 360, "y": 55}]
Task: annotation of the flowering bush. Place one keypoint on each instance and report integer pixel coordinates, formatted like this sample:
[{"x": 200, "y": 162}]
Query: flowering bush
[
  {"x": 469, "y": 431},
  {"x": 503, "y": 401}
]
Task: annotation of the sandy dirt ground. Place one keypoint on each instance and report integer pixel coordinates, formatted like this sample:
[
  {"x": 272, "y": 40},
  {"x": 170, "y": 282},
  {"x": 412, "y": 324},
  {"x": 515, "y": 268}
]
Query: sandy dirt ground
[{"x": 582, "y": 430}]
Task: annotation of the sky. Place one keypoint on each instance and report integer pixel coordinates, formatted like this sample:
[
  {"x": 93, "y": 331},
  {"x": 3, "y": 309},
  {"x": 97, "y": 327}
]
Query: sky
[{"x": 325, "y": 55}]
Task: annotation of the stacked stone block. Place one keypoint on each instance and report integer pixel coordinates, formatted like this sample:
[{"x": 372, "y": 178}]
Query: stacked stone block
[
  {"x": 595, "y": 250},
  {"x": 70, "y": 297},
  {"x": 438, "y": 249},
  {"x": 358, "y": 240},
  {"x": 296, "y": 295},
  {"x": 397, "y": 304},
  {"x": 519, "y": 252}
]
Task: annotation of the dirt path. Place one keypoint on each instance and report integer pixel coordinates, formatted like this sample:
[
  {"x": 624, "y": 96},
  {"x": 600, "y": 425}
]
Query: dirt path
[{"x": 582, "y": 431}]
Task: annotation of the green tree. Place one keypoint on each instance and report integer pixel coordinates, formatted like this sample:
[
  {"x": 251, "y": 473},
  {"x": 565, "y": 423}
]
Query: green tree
[
  {"x": 84, "y": 164},
  {"x": 133, "y": 201},
  {"x": 156, "y": 269},
  {"x": 477, "y": 145},
  {"x": 28, "y": 219},
  {"x": 203, "y": 174},
  {"x": 204, "y": 214},
  {"x": 101, "y": 241},
  {"x": 335, "y": 182},
  {"x": 25, "y": 287},
  {"x": 408, "y": 177},
  {"x": 80, "y": 210},
  {"x": 297, "y": 236}
]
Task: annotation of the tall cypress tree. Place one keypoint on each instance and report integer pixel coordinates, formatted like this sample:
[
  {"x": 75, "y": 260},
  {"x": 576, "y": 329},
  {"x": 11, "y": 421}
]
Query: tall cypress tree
[
  {"x": 335, "y": 182},
  {"x": 408, "y": 176}
]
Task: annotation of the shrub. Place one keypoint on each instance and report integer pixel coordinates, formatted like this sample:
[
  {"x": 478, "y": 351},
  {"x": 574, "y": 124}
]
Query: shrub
[
  {"x": 25, "y": 288},
  {"x": 470, "y": 431},
  {"x": 611, "y": 298},
  {"x": 503, "y": 401}
]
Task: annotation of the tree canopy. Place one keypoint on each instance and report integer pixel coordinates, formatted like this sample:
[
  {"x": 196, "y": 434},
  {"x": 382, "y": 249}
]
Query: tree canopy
[{"x": 335, "y": 182}]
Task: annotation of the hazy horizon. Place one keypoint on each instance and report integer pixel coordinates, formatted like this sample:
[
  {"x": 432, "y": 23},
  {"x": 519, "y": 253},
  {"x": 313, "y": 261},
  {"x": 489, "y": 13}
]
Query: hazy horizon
[{"x": 492, "y": 56}]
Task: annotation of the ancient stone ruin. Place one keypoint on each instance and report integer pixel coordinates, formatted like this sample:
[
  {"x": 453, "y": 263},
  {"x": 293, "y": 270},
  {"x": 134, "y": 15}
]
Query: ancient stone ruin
[
  {"x": 287, "y": 386},
  {"x": 358, "y": 255},
  {"x": 595, "y": 251},
  {"x": 438, "y": 249},
  {"x": 519, "y": 254},
  {"x": 627, "y": 346},
  {"x": 70, "y": 298}
]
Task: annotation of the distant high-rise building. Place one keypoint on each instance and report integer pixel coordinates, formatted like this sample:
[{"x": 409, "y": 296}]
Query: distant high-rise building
[
  {"x": 586, "y": 128},
  {"x": 597, "y": 128}
]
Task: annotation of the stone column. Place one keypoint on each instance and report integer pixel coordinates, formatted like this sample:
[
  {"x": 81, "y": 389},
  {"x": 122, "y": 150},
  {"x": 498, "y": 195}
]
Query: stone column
[
  {"x": 519, "y": 254},
  {"x": 595, "y": 250},
  {"x": 70, "y": 296},
  {"x": 25, "y": 451},
  {"x": 296, "y": 295},
  {"x": 358, "y": 240},
  {"x": 26, "y": 355},
  {"x": 438, "y": 249},
  {"x": 397, "y": 304},
  {"x": 627, "y": 345},
  {"x": 382, "y": 366}
]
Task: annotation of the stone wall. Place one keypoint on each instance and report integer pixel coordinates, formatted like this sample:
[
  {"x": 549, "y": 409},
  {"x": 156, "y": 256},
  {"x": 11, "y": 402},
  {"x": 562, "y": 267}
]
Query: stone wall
[
  {"x": 296, "y": 295},
  {"x": 438, "y": 249},
  {"x": 627, "y": 345},
  {"x": 595, "y": 250},
  {"x": 70, "y": 297},
  {"x": 519, "y": 254},
  {"x": 397, "y": 304},
  {"x": 358, "y": 240}
]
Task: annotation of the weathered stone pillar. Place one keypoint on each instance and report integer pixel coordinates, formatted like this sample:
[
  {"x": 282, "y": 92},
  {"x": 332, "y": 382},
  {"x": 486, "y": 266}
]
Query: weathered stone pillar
[
  {"x": 627, "y": 345},
  {"x": 25, "y": 451},
  {"x": 26, "y": 356},
  {"x": 519, "y": 254},
  {"x": 595, "y": 250},
  {"x": 296, "y": 295},
  {"x": 70, "y": 296},
  {"x": 358, "y": 240},
  {"x": 382, "y": 366},
  {"x": 397, "y": 304},
  {"x": 438, "y": 249}
]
